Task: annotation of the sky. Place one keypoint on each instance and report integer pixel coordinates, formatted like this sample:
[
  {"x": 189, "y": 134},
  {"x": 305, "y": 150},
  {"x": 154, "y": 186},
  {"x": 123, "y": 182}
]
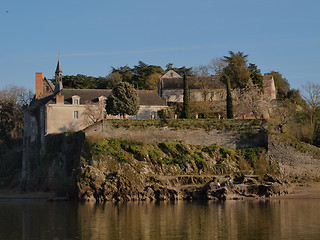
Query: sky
[{"x": 91, "y": 36}]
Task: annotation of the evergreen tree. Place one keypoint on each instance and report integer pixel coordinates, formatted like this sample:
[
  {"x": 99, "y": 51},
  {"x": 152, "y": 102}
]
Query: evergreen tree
[
  {"x": 255, "y": 75},
  {"x": 185, "y": 109},
  {"x": 123, "y": 100},
  {"x": 229, "y": 97},
  {"x": 236, "y": 69}
]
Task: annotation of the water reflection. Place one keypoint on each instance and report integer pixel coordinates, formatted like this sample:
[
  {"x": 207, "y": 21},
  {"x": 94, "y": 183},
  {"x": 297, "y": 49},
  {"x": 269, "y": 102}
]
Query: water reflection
[{"x": 274, "y": 219}]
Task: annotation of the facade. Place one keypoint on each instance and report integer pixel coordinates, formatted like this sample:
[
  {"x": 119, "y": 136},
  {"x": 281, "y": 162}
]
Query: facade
[
  {"x": 170, "y": 87},
  {"x": 57, "y": 110},
  {"x": 75, "y": 109}
]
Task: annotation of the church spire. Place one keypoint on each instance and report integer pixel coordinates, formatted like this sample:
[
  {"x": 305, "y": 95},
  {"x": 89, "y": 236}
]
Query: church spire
[
  {"x": 58, "y": 72},
  {"x": 59, "y": 76}
]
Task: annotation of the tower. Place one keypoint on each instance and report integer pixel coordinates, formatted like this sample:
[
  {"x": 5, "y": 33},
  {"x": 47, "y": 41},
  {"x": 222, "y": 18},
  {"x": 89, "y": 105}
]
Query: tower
[
  {"x": 58, "y": 73},
  {"x": 58, "y": 76}
]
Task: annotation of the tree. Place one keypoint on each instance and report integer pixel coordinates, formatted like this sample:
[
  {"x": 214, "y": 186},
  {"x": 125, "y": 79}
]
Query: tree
[
  {"x": 140, "y": 75},
  {"x": 312, "y": 97},
  {"x": 185, "y": 108},
  {"x": 282, "y": 85},
  {"x": 256, "y": 76},
  {"x": 229, "y": 97},
  {"x": 237, "y": 69},
  {"x": 217, "y": 65},
  {"x": 112, "y": 80},
  {"x": 13, "y": 101},
  {"x": 123, "y": 100},
  {"x": 93, "y": 112},
  {"x": 252, "y": 101},
  {"x": 152, "y": 81}
]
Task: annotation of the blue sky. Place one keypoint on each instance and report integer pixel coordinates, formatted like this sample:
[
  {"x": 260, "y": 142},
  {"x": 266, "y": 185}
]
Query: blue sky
[{"x": 92, "y": 36}]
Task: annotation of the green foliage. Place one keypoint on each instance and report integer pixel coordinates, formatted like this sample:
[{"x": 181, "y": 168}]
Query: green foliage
[
  {"x": 141, "y": 76},
  {"x": 11, "y": 122},
  {"x": 185, "y": 108},
  {"x": 255, "y": 75},
  {"x": 294, "y": 97},
  {"x": 78, "y": 82},
  {"x": 281, "y": 83},
  {"x": 237, "y": 69},
  {"x": 244, "y": 126},
  {"x": 111, "y": 147},
  {"x": 123, "y": 100},
  {"x": 229, "y": 98},
  {"x": 252, "y": 155}
]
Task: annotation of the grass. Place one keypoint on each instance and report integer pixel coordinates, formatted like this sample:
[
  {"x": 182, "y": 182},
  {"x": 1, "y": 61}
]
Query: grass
[
  {"x": 241, "y": 125},
  {"x": 222, "y": 160}
]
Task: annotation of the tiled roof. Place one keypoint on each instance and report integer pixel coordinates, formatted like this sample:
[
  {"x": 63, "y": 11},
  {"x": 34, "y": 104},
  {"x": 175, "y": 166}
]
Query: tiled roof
[{"x": 146, "y": 97}]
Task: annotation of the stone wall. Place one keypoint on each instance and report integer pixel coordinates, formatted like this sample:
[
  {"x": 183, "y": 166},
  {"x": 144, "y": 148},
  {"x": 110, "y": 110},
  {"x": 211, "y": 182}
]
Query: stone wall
[
  {"x": 294, "y": 164},
  {"x": 230, "y": 139}
]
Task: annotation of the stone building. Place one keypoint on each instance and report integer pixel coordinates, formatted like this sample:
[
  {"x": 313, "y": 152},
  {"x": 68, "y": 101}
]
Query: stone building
[
  {"x": 57, "y": 110},
  {"x": 75, "y": 109},
  {"x": 170, "y": 87}
]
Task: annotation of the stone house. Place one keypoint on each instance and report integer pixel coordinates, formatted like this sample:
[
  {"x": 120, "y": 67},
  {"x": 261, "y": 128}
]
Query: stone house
[
  {"x": 170, "y": 87},
  {"x": 75, "y": 109},
  {"x": 57, "y": 110}
]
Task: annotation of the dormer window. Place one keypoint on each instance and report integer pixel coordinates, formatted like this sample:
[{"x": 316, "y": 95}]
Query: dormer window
[
  {"x": 102, "y": 100},
  {"x": 75, "y": 100}
]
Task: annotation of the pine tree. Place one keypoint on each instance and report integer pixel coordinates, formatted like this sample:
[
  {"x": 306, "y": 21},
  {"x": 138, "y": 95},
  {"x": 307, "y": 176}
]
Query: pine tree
[
  {"x": 185, "y": 109},
  {"x": 123, "y": 100},
  {"x": 229, "y": 98}
]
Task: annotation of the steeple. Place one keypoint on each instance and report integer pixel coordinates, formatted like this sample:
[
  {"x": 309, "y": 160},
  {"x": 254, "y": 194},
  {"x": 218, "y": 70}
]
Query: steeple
[
  {"x": 58, "y": 71},
  {"x": 58, "y": 77}
]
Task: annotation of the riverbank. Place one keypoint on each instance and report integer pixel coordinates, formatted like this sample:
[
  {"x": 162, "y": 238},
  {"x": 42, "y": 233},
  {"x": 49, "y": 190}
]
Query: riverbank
[
  {"x": 17, "y": 194},
  {"x": 309, "y": 190}
]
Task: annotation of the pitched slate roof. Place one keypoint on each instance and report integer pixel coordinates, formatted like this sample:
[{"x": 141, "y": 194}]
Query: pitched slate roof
[
  {"x": 193, "y": 82},
  {"x": 146, "y": 97}
]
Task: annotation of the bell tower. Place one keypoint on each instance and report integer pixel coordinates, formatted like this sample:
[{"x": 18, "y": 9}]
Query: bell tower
[{"x": 58, "y": 73}]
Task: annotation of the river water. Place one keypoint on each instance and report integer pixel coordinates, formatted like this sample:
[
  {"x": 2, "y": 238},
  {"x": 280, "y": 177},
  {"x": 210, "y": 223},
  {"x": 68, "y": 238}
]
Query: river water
[{"x": 248, "y": 219}]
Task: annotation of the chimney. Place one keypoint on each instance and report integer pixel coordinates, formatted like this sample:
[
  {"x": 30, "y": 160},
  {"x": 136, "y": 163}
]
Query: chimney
[
  {"x": 39, "y": 87},
  {"x": 59, "y": 99}
]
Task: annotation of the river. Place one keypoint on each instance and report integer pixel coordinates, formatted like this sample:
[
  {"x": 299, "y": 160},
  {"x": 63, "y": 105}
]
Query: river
[{"x": 247, "y": 219}]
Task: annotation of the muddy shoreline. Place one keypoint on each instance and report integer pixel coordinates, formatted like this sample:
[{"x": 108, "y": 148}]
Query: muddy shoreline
[{"x": 310, "y": 190}]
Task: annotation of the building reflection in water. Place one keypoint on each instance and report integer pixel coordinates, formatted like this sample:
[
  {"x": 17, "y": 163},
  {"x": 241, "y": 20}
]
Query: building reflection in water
[{"x": 267, "y": 219}]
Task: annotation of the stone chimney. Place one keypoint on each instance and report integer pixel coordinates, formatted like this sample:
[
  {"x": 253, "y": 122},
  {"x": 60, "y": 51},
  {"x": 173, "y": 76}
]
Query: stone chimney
[{"x": 39, "y": 83}]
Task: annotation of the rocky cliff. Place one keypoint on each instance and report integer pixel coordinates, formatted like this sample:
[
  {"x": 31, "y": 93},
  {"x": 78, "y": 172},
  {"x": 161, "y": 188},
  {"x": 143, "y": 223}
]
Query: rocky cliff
[{"x": 150, "y": 160}]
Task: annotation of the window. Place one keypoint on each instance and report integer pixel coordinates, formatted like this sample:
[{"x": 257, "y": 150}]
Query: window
[
  {"x": 171, "y": 74},
  {"x": 76, "y": 100},
  {"x": 75, "y": 114}
]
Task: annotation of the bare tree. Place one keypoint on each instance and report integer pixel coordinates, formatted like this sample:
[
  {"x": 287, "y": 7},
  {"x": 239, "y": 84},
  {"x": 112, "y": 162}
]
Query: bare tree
[
  {"x": 93, "y": 113},
  {"x": 217, "y": 65},
  {"x": 252, "y": 101},
  {"x": 311, "y": 93},
  {"x": 17, "y": 95}
]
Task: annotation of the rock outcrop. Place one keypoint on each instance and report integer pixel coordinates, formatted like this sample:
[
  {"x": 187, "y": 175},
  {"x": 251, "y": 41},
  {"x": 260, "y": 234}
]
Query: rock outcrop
[{"x": 90, "y": 183}]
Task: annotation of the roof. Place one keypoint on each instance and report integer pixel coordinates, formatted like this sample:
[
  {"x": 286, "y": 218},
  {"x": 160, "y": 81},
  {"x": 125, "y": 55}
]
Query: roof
[
  {"x": 170, "y": 74},
  {"x": 212, "y": 82},
  {"x": 146, "y": 97}
]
